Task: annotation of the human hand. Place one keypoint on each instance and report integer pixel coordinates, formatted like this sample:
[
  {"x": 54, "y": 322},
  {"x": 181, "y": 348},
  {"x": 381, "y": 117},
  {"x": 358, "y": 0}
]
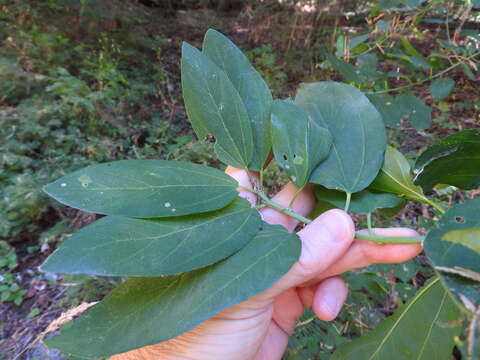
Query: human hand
[{"x": 258, "y": 329}]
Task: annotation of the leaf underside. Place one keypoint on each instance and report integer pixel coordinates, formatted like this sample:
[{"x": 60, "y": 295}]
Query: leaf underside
[{"x": 145, "y": 311}]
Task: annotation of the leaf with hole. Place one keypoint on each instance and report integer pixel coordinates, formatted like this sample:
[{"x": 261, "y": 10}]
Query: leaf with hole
[
  {"x": 145, "y": 188},
  {"x": 445, "y": 254},
  {"x": 363, "y": 202},
  {"x": 251, "y": 87},
  {"x": 454, "y": 160},
  {"x": 359, "y": 138},
  {"x": 299, "y": 144},
  {"x": 147, "y": 311},
  {"x": 435, "y": 318},
  {"x": 120, "y": 246},
  {"x": 418, "y": 113},
  {"x": 441, "y": 88},
  {"x": 214, "y": 107}
]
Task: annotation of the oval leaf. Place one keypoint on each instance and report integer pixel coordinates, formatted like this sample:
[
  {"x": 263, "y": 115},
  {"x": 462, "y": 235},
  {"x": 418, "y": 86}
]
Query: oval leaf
[
  {"x": 454, "y": 160},
  {"x": 251, "y": 87},
  {"x": 215, "y": 107},
  {"x": 395, "y": 177},
  {"x": 299, "y": 145},
  {"x": 454, "y": 261},
  {"x": 441, "y": 88},
  {"x": 389, "y": 109},
  {"x": 363, "y": 202},
  {"x": 359, "y": 138},
  {"x": 467, "y": 237},
  {"x": 147, "y": 311},
  {"x": 423, "y": 329},
  {"x": 145, "y": 188},
  {"x": 418, "y": 113},
  {"x": 119, "y": 246}
]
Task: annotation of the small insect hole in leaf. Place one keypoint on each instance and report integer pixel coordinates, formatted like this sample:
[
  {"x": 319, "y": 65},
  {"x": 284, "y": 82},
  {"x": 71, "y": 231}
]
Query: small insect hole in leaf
[
  {"x": 460, "y": 219},
  {"x": 285, "y": 157}
]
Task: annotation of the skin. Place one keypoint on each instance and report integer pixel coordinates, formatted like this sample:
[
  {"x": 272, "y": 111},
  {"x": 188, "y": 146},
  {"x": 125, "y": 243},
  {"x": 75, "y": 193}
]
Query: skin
[{"x": 258, "y": 329}]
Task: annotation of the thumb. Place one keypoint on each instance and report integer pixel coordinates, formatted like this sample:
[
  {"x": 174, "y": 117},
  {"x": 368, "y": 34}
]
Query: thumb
[{"x": 324, "y": 241}]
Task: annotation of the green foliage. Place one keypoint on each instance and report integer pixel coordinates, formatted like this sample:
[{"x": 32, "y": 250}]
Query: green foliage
[
  {"x": 181, "y": 301},
  {"x": 9, "y": 288}
]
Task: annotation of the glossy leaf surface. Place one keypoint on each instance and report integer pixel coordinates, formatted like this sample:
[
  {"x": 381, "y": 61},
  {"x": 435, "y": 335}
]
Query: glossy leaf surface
[
  {"x": 395, "y": 177},
  {"x": 299, "y": 145},
  {"x": 120, "y": 246},
  {"x": 418, "y": 113},
  {"x": 441, "y": 88},
  {"x": 423, "y": 329},
  {"x": 251, "y": 87},
  {"x": 147, "y": 311},
  {"x": 145, "y": 188},
  {"x": 454, "y": 160},
  {"x": 362, "y": 202},
  {"x": 466, "y": 237},
  {"x": 453, "y": 260},
  {"x": 214, "y": 107},
  {"x": 358, "y": 132}
]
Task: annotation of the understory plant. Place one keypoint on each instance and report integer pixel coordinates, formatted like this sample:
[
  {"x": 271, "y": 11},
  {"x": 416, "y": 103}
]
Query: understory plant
[{"x": 190, "y": 247}]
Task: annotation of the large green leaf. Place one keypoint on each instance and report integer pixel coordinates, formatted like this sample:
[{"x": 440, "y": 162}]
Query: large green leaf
[
  {"x": 454, "y": 160},
  {"x": 147, "y": 311},
  {"x": 120, "y": 246},
  {"x": 389, "y": 109},
  {"x": 299, "y": 144},
  {"x": 215, "y": 107},
  {"x": 362, "y": 202},
  {"x": 466, "y": 237},
  {"x": 456, "y": 263},
  {"x": 145, "y": 188},
  {"x": 418, "y": 113},
  {"x": 252, "y": 89},
  {"x": 441, "y": 88},
  {"x": 423, "y": 329},
  {"x": 358, "y": 132},
  {"x": 395, "y": 177}
]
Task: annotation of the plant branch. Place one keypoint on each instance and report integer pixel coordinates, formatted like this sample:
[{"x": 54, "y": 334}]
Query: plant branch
[
  {"x": 427, "y": 79},
  {"x": 390, "y": 239}
]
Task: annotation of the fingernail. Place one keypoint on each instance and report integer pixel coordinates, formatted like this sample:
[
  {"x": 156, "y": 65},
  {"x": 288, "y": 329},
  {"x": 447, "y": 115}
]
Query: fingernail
[
  {"x": 338, "y": 224},
  {"x": 331, "y": 304}
]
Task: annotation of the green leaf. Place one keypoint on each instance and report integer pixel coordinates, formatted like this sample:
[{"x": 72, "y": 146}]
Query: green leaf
[
  {"x": 251, "y": 87},
  {"x": 454, "y": 160},
  {"x": 119, "y": 246},
  {"x": 215, "y": 107},
  {"x": 363, "y": 202},
  {"x": 299, "y": 144},
  {"x": 147, "y": 311},
  {"x": 395, "y": 177},
  {"x": 368, "y": 62},
  {"x": 423, "y": 329},
  {"x": 441, "y": 88},
  {"x": 145, "y": 188},
  {"x": 456, "y": 262},
  {"x": 418, "y": 113},
  {"x": 389, "y": 109},
  {"x": 349, "y": 72},
  {"x": 357, "y": 40},
  {"x": 358, "y": 132},
  {"x": 466, "y": 237}
]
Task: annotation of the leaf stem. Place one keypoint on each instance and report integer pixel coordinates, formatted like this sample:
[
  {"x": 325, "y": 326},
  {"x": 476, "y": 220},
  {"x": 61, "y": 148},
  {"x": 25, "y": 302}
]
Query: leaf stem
[
  {"x": 390, "y": 239},
  {"x": 369, "y": 223},
  {"x": 294, "y": 198},
  {"x": 427, "y": 79},
  {"x": 293, "y": 214},
  {"x": 436, "y": 205},
  {"x": 347, "y": 201}
]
